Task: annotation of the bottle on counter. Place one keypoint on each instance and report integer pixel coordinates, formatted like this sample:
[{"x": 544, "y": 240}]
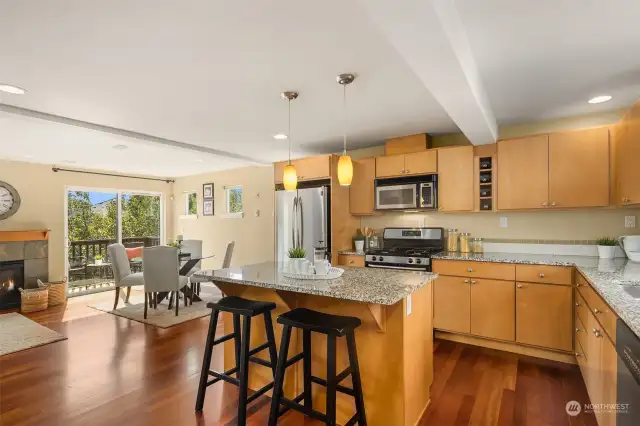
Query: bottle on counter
[
  {"x": 452, "y": 240},
  {"x": 465, "y": 242},
  {"x": 477, "y": 246}
]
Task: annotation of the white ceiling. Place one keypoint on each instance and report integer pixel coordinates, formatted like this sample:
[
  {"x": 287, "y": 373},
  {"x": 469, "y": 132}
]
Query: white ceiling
[{"x": 209, "y": 72}]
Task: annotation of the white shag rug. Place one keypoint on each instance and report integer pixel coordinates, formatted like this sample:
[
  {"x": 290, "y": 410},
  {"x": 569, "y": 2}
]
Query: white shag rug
[
  {"x": 18, "y": 333},
  {"x": 163, "y": 317}
]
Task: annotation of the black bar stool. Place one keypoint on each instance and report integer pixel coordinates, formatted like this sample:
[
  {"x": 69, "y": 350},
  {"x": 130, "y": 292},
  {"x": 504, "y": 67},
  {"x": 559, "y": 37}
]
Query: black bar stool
[
  {"x": 247, "y": 309},
  {"x": 333, "y": 326}
]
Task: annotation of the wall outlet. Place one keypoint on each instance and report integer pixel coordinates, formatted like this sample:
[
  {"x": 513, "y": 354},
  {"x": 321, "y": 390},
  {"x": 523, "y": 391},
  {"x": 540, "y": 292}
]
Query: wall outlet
[
  {"x": 629, "y": 221},
  {"x": 504, "y": 222}
]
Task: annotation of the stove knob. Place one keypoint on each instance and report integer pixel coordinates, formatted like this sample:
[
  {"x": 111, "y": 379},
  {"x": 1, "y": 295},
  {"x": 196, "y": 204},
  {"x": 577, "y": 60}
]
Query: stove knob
[
  {"x": 410, "y": 260},
  {"x": 418, "y": 261},
  {"x": 381, "y": 258},
  {"x": 373, "y": 258}
]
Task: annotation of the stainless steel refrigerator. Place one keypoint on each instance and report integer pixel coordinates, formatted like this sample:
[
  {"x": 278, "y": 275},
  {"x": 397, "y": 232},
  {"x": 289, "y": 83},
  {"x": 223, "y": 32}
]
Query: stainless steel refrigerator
[{"x": 302, "y": 220}]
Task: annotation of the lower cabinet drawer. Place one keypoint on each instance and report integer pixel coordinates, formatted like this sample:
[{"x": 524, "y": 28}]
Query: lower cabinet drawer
[
  {"x": 545, "y": 274},
  {"x": 580, "y": 335},
  {"x": 351, "y": 260},
  {"x": 605, "y": 316},
  {"x": 461, "y": 268}
]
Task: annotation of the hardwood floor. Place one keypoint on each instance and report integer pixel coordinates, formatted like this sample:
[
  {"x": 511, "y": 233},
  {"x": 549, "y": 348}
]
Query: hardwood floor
[{"x": 113, "y": 371}]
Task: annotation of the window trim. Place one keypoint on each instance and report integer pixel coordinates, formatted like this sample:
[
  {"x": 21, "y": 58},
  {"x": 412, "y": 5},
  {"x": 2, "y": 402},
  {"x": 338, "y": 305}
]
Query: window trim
[{"x": 227, "y": 192}]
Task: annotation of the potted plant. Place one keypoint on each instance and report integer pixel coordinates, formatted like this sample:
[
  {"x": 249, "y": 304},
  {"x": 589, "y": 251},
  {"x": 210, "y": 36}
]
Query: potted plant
[
  {"x": 97, "y": 259},
  {"x": 175, "y": 244},
  {"x": 606, "y": 247},
  {"x": 297, "y": 258}
]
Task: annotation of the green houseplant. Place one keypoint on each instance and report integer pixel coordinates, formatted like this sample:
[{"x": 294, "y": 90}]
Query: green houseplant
[
  {"x": 606, "y": 247},
  {"x": 297, "y": 260},
  {"x": 97, "y": 259}
]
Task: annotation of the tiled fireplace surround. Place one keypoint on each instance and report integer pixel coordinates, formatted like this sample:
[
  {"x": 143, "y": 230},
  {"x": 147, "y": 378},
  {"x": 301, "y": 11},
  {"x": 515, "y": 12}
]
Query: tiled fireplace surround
[{"x": 35, "y": 255}]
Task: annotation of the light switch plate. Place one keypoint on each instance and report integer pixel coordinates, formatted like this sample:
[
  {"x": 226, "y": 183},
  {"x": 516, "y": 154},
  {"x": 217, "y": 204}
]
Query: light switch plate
[
  {"x": 408, "y": 305},
  {"x": 504, "y": 222},
  {"x": 629, "y": 221}
]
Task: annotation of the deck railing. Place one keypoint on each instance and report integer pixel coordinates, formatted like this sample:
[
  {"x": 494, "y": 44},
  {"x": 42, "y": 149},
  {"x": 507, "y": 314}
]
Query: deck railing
[{"x": 86, "y": 250}]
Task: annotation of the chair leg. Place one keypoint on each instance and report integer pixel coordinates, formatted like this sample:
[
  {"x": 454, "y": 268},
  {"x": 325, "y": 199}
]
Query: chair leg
[
  {"x": 271, "y": 339},
  {"x": 331, "y": 380},
  {"x": 115, "y": 304},
  {"x": 206, "y": 360},
  {"x": 306, "y": 350},
  {"x": 146, "y": 302},
  {"x": 185, "y": 298},
  {"x": 155, "y": 301},
  {"x": 244, "y": 371},
  {"x": 237, "y": 340},
  {"x": 126, "y": 299},
  {"x": 355, "y": 378},
  {"x": 279, "y": 380},
  {"x": 177, "y": 301},
  {"x": 170, "y": 300}
]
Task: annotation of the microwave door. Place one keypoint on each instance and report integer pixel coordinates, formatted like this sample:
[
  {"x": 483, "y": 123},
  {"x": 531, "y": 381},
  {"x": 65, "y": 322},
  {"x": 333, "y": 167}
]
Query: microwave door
[
  {"x": 396, "y": 197},
  {"x": 427, "y": 195}
]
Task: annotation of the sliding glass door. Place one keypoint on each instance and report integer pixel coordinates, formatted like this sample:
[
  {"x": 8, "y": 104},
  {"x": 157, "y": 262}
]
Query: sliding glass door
[{"x": 98, "y": 218}]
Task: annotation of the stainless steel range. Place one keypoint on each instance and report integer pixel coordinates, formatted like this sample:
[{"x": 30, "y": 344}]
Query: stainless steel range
[{"x": 406, "y": 248}]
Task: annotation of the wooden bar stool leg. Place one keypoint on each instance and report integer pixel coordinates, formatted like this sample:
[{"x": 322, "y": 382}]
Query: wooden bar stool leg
[
  {"x": 244, "y": 371},
  {"x": 279, "y": 380},
  {"x": 206, "y": 361},
  {"x": 237, "y": 340},
  {"x": 355, "y": 378},
  {"x": 331, "y": 380},
  {"x": 306, "y": 350},
  {"x": 271, "y": 339}
]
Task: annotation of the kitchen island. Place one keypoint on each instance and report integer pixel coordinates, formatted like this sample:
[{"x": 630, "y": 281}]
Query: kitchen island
[{"x": 394, "y": 342}]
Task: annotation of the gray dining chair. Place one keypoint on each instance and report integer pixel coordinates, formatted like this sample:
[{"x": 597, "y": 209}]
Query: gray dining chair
[
  {"x": 228, "y": 254},
  {"x": 160, "y": 268},
  {"x": 121, "y": 269},
  {"x": 196, "y": 281}
]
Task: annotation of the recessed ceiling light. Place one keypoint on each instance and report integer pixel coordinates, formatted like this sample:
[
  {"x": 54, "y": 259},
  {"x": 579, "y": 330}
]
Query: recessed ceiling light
[
  {"x": 599, "y": 99},
  {"x": 120, "y": 147},
  {"x": 14, "y": 90},
  {"x": 280, "y": 136}
]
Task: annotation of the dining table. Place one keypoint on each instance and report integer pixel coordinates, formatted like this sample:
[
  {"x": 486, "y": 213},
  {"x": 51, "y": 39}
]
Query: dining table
[{"x": 184, "y": 271}]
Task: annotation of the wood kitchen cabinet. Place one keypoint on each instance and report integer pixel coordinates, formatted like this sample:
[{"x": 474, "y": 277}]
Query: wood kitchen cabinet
[
  {"x": 493, "y": 309},
  {"x": 455, "y": 179},
  {"x": 451, "y": 308},
  {"x": 523, "y": 173},
  {"x": 361, "y": 192},
  {"x": 311, "y": 168},
  {"x": 417, "y": 163},
  {"x": 627, "y": 155},
  {"x": 579, "y": 168},
  {"x": 354, "y": 260},
  {"x": 544, "y": 315}
]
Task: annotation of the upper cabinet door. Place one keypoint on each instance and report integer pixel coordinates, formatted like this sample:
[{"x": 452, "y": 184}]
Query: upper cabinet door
[
  {"x": 390, "y": 166},
  {"x": 421, "y": 163},
  {"x": 455, "y": 179},
  {"x": 361, "y": 191},
  {"x": 313, "y": 167},
  {"x": 628, "y": 158},
  {"x": 579, "y": 168},
  {"x": 523, "y": 173}
]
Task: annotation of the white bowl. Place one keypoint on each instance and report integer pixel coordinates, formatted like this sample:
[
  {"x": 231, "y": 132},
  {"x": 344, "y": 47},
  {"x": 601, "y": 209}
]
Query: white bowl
[{"x": 633, "y": 256}]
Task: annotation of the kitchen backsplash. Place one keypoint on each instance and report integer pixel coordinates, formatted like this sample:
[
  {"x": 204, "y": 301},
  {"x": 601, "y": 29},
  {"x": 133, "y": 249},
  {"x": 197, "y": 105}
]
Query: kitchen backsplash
[{"x": 544, "y": 227}]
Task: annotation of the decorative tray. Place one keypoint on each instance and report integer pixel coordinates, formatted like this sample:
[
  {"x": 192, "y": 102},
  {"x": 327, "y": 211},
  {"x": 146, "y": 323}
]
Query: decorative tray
[{"x": 332, "y": 275}]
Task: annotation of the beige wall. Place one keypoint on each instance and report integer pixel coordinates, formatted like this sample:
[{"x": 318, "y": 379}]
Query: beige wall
[
  {"x": 42, "y": 194},
  {"x": 254, "y": 235},
  {"x": 546, "y": 225}
]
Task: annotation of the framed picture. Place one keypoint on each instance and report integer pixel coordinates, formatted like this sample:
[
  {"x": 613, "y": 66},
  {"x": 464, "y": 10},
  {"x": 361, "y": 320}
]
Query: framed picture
[
  {"x": 207, "y": 207},
  {"x": 207, "y": 190}
]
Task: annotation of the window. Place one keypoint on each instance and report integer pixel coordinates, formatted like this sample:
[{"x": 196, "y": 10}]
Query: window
[
  {"x": 234, "y": 200},
  {"x": 190, "y": 204}
]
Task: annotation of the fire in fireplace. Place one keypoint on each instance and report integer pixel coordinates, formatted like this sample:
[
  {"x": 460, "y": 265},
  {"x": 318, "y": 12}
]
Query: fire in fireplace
[{"x": 11, "y": 280}]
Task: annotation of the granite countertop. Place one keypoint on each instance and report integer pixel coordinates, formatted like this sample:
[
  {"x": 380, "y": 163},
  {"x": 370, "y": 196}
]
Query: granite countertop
[
  {"x": 368, "y": 285},
  {"x": 351, "y": 252},
  {"x": 611, "y": 278}
]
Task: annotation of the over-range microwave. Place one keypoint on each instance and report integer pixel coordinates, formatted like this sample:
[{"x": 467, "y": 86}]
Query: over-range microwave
[{"x": 410, "y": 193}]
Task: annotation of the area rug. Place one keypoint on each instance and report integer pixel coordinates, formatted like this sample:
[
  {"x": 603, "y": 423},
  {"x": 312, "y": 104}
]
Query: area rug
[
  {"x": 162, "y": 317},
  {"x": 18, "y": 333}
]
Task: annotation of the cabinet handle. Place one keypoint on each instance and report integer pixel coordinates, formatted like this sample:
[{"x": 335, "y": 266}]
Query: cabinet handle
[
  {"x": 544, "y": 204},
  {"x": 577, "y": 284},
  {"x": 440, "y": 208},
  {"x": 351, "y": 262},
  {"x": 473, "y": 281},
  {"x": 466, "y": 281},
  {"x": 578, "y": 304},
  {"x": 541, "y": 275},
  {"x": 578, "y": 355},
  {"x": 469, "y": 270},
  {"x": 407, "y": 171},
  {"x": 519, "y": 286},
  {"x": 553, "y": 203},
  {"x": 578, "y": 330},
  {"x": 596, "y": 332},
  {"x": 625, "y": 200},
  {"x": 597, "y": 311}
]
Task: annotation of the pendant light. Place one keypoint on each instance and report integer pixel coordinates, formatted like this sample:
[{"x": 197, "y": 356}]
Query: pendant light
[
  {"x": 290, "y": 177},
  {"x": 345, "y": 166}
]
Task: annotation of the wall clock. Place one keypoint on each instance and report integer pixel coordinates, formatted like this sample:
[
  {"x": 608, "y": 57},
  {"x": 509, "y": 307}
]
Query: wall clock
[{"x": 9, "y": 200}]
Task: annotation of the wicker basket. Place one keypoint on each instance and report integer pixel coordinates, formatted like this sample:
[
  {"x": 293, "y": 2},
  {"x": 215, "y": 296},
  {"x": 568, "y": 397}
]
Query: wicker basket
[
  {"x": 57, "y": 292},
  {"x": 34, "y": 299}
]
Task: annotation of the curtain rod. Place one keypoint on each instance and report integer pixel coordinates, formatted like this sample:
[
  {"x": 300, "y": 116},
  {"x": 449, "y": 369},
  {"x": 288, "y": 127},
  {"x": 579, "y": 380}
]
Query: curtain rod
[{"x": 58, "y": 169}]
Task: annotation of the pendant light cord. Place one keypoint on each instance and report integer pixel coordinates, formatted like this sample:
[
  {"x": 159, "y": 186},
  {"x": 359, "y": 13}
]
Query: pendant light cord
[
  {"x": 289, "y": 132},
  {"x": 344, "y": 103}
]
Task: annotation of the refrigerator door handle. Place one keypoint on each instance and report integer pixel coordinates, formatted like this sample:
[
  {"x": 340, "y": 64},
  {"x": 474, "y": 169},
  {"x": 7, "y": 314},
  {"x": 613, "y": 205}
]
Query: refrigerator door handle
[
  {"x": 293, "y": 221},
  {"x": 301, "y": 225}
]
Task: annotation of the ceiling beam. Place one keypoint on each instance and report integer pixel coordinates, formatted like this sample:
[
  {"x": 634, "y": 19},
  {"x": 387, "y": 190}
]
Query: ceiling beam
[
  {"x": 126, "y": 133},
  {"x": 431, "y": 38}
]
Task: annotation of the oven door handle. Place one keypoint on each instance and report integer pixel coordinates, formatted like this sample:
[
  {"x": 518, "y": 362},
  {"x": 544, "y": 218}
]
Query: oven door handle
[{"x": 397, "y": 267}]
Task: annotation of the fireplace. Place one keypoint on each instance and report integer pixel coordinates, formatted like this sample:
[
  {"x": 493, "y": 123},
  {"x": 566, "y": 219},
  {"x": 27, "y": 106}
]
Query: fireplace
[{"x": 11, "y": 279}]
